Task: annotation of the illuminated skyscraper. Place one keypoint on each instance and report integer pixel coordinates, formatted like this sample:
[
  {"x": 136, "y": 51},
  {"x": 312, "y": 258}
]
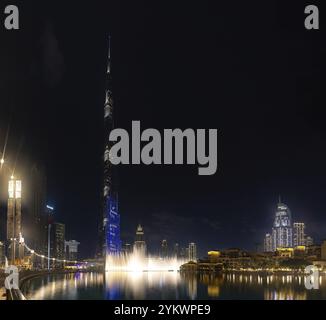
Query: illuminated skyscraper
[
  {"x": 268, "y": 243},
  {"x": 140, "y": 244},
  {"x": 14, "y": 218},
  {"x": 59, "y": 240},
  {"x": 192, "y": 252},
  {"x": 299, "y": 237},
  {"x": 282, "y": 227},
  {"x": 110, "y": 224},
  {"x": 309, "y": 241},
  {"x": 71, "y": 250}
]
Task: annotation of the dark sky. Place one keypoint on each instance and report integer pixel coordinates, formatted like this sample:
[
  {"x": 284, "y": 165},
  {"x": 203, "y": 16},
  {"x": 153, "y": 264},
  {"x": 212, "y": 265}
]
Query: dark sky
[{"x": 248, "y": 69}]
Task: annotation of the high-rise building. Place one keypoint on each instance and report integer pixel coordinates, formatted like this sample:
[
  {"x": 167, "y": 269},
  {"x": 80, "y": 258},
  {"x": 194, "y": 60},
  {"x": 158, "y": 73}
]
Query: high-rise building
[
  {"x": 268, "y": 243},
  {"x": 140, "y": 244},
  {"x": 110, "y": 222},
  {"x": 183, "y": 253},
  {"x": 37, "y": 208},
  {"x": 309, "y": 241},
  {"x": 14, "y": 214},
  {"x": 54, "y": 232},
  {"x": 164, "y": 249},
  {"x": 192, "y": 252},
  {"x": 282, "y": 227},
  {"x": 46, "y": 220},
  {"x": 58, "y": 236},
  {"x": 71, "y": 250},
  {"x": 299, "y": 237}
]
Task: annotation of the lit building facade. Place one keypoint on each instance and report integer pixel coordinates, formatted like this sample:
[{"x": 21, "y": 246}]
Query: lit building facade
[
  {"x": 299, "y": 237},
  {"x": 55, "y": 245},
  {"x": 192, "y": 249},
  {"x": 140, "y": 244},
  {"x": 282, "y": 227},
  {"x": 110, "y": 242},
  {"x": 71, "y": 250},
  {"x": 14, "y": 215},
  {"x": 309, "y": 241},
  {"x": 58, "y": 235},
  {"x": 268, "y": 243}
]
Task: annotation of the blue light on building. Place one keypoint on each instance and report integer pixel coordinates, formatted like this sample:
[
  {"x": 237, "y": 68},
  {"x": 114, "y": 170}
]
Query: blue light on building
[{"x": 113, "y": 242}]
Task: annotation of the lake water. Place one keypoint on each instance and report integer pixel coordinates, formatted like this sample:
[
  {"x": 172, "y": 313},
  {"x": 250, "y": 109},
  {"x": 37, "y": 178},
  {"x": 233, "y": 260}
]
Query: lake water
[{"x": 171, "y": 285}]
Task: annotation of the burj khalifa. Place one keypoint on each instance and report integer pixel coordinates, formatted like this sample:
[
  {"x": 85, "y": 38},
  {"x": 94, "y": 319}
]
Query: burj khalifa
[{"x": 110, "y": 223}]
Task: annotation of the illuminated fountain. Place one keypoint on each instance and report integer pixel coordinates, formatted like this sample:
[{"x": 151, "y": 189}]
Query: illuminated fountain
[{"x": 137, "y": 261}]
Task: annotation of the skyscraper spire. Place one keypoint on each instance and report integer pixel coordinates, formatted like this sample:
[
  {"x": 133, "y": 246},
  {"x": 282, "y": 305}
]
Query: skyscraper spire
[
  {"x": 279, "y": 198},
  {"x": 109, "y": 57},
  {"x": 110, "y": 228}
]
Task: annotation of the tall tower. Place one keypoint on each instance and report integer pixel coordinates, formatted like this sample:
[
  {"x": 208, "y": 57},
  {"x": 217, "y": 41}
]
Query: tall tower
[
  {"x": 14, "y": 218},
  {"x": 282, "y": 227},
  {"x": 140, "y": 244},
  {"x": 268, "y": 243},
  {"x": 37, "y": 207},
  {"x": 192, "y": 252},
  {"x": 299, "y": 237},
  {"x": 110, "y": 229}
]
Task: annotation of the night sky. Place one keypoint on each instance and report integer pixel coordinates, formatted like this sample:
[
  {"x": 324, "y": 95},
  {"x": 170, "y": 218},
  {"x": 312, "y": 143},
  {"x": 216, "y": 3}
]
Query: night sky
[{"x": 248, "y": 69}]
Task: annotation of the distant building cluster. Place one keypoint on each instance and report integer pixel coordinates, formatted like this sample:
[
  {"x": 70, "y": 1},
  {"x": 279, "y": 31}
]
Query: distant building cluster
[
  {"x": 285, "y": 233},
  {"x": 34, "y": 224},
  {"x": 236, "y": 259},
  {"x": 188, "y": 253}
]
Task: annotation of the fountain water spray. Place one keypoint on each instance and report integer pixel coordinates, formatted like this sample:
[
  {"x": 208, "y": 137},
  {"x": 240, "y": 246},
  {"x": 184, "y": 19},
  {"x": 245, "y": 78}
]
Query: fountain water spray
[{"x": 137, "y": 261}]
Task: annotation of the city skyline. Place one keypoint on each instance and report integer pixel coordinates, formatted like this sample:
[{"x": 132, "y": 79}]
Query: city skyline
[
  {"x": 294, "y": 238},
  {"x": 271, "y": 133}
]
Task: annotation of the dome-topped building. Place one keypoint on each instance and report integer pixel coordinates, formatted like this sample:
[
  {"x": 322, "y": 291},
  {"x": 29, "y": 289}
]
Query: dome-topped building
[{"x": 282, "y": 233}]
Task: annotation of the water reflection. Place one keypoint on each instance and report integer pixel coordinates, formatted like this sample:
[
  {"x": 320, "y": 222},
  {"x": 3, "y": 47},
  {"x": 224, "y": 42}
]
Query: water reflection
[
  {"x": 63, "y": 286},
  {"x": 140, "y": 285},
  {"x": 172, "y": 285}
]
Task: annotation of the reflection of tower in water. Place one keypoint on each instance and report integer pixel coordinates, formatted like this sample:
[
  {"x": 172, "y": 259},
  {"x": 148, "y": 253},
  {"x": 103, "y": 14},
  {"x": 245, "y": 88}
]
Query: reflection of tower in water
[
  {"x": 284, "y": 294},
  {"x": 191, "y": 280},
  {"x": 213, "y": 283}
]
